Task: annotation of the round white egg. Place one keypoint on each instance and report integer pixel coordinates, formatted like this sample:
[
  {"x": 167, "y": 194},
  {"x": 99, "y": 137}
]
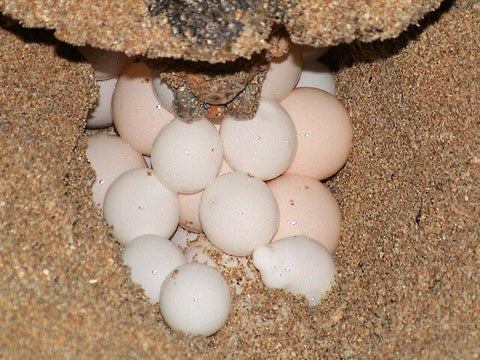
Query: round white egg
[
  {"x": 164, "y": 94},
  {"x": 282, "y": 75},
  {"x": 101, "y": 115},
  {"x": 239, "y": 213},
  {"x": 316, "y": 74},
  {"x": 307, "y": 208},
  {"x": 298, "y": 265},
  {"x": 137, "y": 115},
  {"x": 150, "y": 259},
  {"x": 187, "y": 156},
  {"x": 106, "y": 64},
  {"x": 195, "y": 299},
  {"x": 324, "y": 132},
  {"x": 263, "y": 146},
  {"x": 137, "y": 204},
  {"x": 110, "y": 157}
]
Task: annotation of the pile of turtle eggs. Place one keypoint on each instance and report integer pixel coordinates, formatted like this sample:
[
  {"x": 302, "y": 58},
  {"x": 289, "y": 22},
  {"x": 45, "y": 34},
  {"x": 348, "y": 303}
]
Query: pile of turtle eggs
[{"x": 251, "y": 186}]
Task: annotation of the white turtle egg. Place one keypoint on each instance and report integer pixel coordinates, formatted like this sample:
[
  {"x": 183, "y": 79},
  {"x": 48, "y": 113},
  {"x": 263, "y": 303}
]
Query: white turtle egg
[
  {"x": 238, "y": 213},
  {"x": 316, "y": 74},
  {"x": 137, "y": 115},
  {"x": 187, "y": 156},
  {"x": 164, "y": 94},
  {"x": 110, "y": 157},
  {"x": 298, "y": 265},
  {"x": 282, "y": 75},
  {"x": 150, "y": 259},
  {"x": 263, "y": 146},
  {"x": 101, "y": 115},
  {"x": 137, "y": 204},
  {"x": 195, "y": 299},
  {"x": 106, "y": 64}
]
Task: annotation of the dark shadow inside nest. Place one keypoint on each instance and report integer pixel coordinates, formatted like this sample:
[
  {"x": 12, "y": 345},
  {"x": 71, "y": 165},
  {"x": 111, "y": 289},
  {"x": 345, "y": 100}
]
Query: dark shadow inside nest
[{"x": 41, "y": 36}]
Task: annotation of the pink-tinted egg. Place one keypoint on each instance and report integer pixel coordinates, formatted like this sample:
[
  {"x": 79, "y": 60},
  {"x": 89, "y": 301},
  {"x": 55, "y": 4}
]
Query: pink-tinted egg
[
  {"x": 137, "y": 115},
  {"x": 324, "y": 132},
  {"x": 307, "y": 208}
]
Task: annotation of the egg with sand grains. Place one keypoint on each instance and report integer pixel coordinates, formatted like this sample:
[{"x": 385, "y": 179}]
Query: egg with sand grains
[
  {"x": 324, "y": 132},
  {"x": 110, "y": 157},
  {"x": 307, "y": 207},
  {"x": 195, "y": 299},
  {"x": 137, "y": 115},
  {"x": 238, "y": 213},
  {"x": 150, "y": 259},
  {"x": 187, "y": 156},
  {"x": 298, "y": 265},
  {"x": 137, "y": 204},
  {"x": 240, "y": 270}
]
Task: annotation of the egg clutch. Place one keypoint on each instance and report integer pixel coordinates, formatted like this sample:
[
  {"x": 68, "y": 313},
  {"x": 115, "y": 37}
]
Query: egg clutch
[{"x": 252, "y": 186}]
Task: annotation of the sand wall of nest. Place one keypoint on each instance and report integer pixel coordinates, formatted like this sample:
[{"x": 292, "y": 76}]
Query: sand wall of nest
[{"x": 408, "y": 261}]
